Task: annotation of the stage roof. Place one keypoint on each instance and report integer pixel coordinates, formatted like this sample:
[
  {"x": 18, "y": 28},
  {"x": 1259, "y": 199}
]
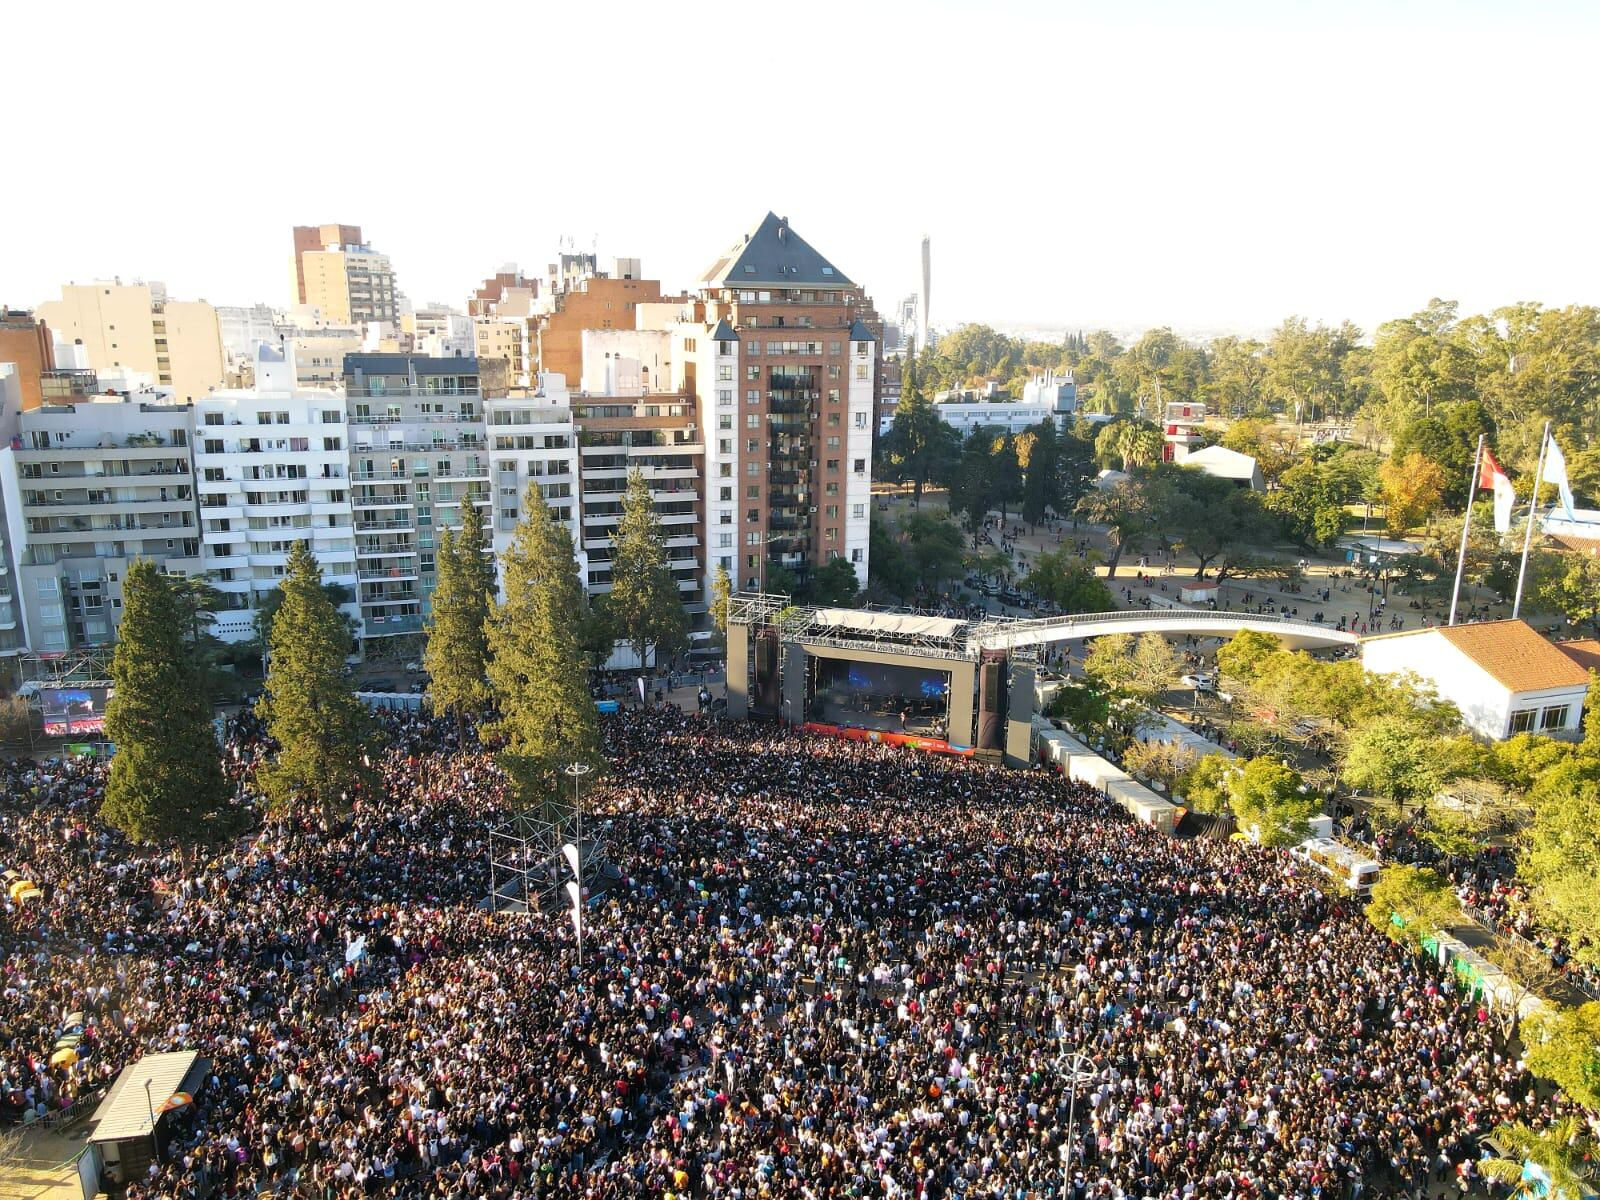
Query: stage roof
[{"x": 906, "y": 625}]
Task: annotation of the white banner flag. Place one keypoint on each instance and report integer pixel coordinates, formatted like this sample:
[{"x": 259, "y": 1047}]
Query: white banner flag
[{"x": 1555, "y": 471}]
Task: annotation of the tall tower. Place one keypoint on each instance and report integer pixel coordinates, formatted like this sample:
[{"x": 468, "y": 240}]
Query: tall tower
[{"x": 927, "y": 285}]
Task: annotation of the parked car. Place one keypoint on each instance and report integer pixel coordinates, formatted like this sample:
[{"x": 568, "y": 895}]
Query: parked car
[{"x": 1204, "y": 681}]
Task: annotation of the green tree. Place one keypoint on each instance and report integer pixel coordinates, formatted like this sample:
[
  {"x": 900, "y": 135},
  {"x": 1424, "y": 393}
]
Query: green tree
[
  {"x": 833, "y": 583},
  {"x": 476, "y": 554},
  {"x": 1204, "y": 787},
  {"x": 1565, "y": 1152},
  {"x": 1127, "y": 509},
  {"x": 1209, "y": 517},
  {"x": 1138, "y": 445},
  {"x": 536, "y": 667},
  {"x": 1064, "y": 580},
  {"x": 322, "y": 730},
  {"x": 456, "y": 654},
  {"x": 1420, "y": 897},
  {"x": 644, "y": 603},
  {"x": 1563, "y": 1046},
  {"x": 920, "y": 446},
  {"x": 934, "y": 547},
  {"x": 1395, "y": 758},
  {"x": 973, "y": 486},
  {"x": 1273, "y": 798},
  {"x": 166, "y": 776},
  {"x": 1561, "y": 857},
  {"x": 891, "y": 575},
  {"x": 1237, "y": 372}
]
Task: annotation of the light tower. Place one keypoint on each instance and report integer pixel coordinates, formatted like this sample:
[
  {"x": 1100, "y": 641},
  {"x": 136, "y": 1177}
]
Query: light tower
[{"x": 927, "y": 287}]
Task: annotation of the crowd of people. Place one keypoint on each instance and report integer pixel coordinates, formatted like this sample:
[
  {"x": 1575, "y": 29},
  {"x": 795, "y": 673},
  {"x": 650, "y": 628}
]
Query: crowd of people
[{"x": 819, "y": 969}]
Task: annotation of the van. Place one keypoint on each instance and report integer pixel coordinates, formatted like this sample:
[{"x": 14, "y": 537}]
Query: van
[{"x": 1336, "y": 860}]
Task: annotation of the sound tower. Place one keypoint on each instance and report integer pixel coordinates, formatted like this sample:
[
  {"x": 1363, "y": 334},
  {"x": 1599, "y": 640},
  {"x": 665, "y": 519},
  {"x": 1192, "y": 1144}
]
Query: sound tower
[
  {"x": 767, "y": 696},
  {"x": 991, "y": 700}
]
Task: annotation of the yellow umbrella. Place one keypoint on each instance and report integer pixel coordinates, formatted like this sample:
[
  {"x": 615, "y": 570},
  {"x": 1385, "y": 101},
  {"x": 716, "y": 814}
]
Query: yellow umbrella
[
  {"x": 27, "y": 894},
  {"x": 20, "y": 885},
  {"x": 64, "y": 1058},
  {"x": 74, "y": 1020}
]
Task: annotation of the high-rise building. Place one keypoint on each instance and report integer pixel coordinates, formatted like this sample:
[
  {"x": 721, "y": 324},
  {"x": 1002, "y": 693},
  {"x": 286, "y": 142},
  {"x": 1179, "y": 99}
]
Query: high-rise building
[
  {"x": 25, "y": 342},
  {"x": 93, "y": 486},
  {"x": 924, "y": 330},
  {"x": 784, "y": 360},
  {"x": 591, "y": 302},
  {"x": 137, "y": 328},
  {"x": 532, "y": 440},
  {"x": 342, "y": 276},
  {"x": 272, "y": 468},
  {"x": 418, "y": 451}
]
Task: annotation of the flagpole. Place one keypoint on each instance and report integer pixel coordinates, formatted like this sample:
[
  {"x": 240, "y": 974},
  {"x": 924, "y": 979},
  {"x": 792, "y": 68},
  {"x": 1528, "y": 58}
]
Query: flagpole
[
  {"x": 1466, "y": 526},
  {"x": 1533, "y": 513}
]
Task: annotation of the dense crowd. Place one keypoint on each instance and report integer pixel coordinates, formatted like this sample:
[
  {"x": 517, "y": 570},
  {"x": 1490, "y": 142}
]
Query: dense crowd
[{"x": 820, "y": 969}]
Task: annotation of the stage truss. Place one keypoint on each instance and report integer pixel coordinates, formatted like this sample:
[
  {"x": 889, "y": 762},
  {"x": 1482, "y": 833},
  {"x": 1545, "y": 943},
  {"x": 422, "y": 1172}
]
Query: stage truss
[
  {"x": 526, "y": 867},
  {"x": 87, "y": 667}
]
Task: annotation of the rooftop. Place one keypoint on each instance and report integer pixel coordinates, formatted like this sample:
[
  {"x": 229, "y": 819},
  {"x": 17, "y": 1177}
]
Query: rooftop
[
  {"x": 396, "y": 364},
  {"x": 1585, "y": 652},
  {"x": 1512, "y": 653},
  {"x": 773, "y": 255},
  {"x": 126, "y": 1111}
]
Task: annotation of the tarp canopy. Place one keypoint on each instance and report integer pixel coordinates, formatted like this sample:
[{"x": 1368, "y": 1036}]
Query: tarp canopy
[{"x": 902, "y": 624}]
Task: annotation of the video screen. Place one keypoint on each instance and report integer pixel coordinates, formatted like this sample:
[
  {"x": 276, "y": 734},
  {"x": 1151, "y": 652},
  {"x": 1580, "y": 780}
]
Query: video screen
[
  {"x": 69, "y": 711},
  {"x": 879, "y": 694}
]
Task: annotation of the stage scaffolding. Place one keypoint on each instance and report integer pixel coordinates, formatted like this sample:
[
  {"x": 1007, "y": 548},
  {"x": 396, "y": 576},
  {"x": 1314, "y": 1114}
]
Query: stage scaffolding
[{"x": 527, "y": 869}]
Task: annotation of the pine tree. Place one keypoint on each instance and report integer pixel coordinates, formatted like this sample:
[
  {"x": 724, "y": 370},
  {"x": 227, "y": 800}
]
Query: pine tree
[
  {"x": 166, "y": 776},
  {"x": 721, "y": 594},
  {"x": 323, "y": 731},
  {"x": 457, "y": 651},
  {"x": 471, "y": 544},
  {"x": 536, "y": 667},
  {"x": 644, "y": 605}
]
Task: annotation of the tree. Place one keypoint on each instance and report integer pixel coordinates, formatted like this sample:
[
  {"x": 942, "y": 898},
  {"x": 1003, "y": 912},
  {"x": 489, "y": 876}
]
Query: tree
[
  {"x": 268, "y": 603},
  {"x": 1564, "y": 1157},
  {"x": 1561, "y": 858},
  {"x": 1272, "y": 797},
  {"x": 1138, "y": 444},
  {"x": 1207, "y": 516},
  {"x": 721, "y": 594},
  {"x": 1137, "y": 668},
  {"x": 1246, "y": 654},
  {"x": 891, "y": 575},
  {"x": 536, "y": 668},
  {"x": 321, "y": 729},
  {"x": 1420, "y": 897},
  {"x": 1412, "y": 489},
  {"x": 1127, "y": 511},
  {"x": 1563, "y": 1046},
  {"x": 920, "y": 446},
  {"x": 644, "y": 602},
  {"x": 476, "y": 555},
  {"x": 1204, "y": 787},
  {"x": 1160, "y": 762},
  {"x": 833, "y": 583},
  {"x": 1067, "y": 582},
  {"x": 973, "y": 486},
  {"x": 934, "y": 547},
  {"x": 166, "y": 776},
  {"x": 1234, "y": 387},
  {"x": 456, "y": 654},
  {"x": 1394, "y": 758}
]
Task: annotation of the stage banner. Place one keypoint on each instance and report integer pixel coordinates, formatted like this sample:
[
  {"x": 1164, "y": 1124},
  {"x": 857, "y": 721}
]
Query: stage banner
[{"x": 851, "y": 734}]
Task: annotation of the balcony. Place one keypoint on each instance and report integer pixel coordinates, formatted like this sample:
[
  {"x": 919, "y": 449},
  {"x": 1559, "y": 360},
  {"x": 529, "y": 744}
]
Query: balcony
[
  {"x": 377, "y": 626},
  {"x": 391, "y": 573},
  {"x": 782, "y": 476},
  {"x": 366, "y": 526},
  {"x": 395, "y": 597}
]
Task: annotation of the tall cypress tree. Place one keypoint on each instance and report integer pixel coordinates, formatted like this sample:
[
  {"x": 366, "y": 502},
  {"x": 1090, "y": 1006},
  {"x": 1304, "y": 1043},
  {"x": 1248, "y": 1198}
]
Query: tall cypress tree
[
  {"x": 644, "y": 604},
  {"x": 166, "y": 777},
  {"x": 536, "y": 667},
  {"x": 471, "y": 543},
  {"x": 457, "y": 650},
  {"x": 322, "y": 730}
]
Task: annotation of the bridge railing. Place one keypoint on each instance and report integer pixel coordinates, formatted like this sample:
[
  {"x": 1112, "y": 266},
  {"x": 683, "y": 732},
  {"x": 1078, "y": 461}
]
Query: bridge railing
[{"x": 1082, "y": 624}]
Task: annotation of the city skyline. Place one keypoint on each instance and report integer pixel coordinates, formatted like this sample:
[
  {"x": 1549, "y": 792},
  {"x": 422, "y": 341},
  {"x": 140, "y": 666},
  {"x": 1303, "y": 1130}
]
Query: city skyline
[{"x": 1154, "y": 169}]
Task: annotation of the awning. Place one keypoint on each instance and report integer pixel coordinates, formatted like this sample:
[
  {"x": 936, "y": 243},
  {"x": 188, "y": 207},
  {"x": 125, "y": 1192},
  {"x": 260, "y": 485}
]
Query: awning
[
  {"x": 902, "y": 624},
  {"x": 142, "y": 1089}
]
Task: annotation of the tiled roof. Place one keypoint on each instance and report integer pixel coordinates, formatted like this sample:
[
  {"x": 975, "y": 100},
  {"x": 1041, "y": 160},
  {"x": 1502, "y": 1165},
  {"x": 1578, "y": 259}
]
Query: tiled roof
[
  {"x": 1515, "y": 655},
  {"x": 1585, "y": 652}
]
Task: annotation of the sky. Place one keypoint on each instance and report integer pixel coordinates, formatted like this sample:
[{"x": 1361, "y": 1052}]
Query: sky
[{"x": 1124, "y": 164}]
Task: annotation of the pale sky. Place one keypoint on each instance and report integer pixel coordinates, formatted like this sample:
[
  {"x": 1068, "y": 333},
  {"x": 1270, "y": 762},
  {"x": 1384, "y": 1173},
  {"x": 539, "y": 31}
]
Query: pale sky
[{"x": 1206, "y": 165}]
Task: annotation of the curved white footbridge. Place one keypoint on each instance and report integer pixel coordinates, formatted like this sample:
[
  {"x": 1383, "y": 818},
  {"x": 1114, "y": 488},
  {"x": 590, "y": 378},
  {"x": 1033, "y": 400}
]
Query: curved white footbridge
[{"x": 1003, "y": 634}]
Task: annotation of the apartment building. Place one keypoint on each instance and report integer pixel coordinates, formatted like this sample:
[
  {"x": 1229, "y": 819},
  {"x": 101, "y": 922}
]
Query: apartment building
[
  {"x": 272, "y": 468},
  {"x": 26, "y": 343},
  {"x": 338, "y": 273},
  {"x": 784, "y": 361},
  {"x": 418, "y": 451},
  {"x": 137, "y": 327},
  {"x": 532, "y": 439},
  {"x": 88, "y": 488},
  {"x": 592, "y": 302},
  {"x": 13, "y": 635}
]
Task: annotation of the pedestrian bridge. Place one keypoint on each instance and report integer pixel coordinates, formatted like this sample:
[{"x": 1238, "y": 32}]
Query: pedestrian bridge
[{"x": 1297, "y": 634}]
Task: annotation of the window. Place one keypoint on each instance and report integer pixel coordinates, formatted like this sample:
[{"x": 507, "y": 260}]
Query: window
[
  {"x": 830, "y": 535},
  {"x": 859, "y": 420},
  {"x": 751, "y": 446},
  {"x": 1553, "y": 718},
  {"x": 724, "y": 445},
  {"x": 752, "y": 421},
  {"x": 752, "y": 372},
  {"x": 753, "y": 538},
  {"x": 833, "y": 347},
  {"x": 725, "y": 517},
  {"x": 752, "y": 468},
  {"x": 833, "y": 464},
  {"x": 832, "y": 512},
  {"x": 833, "y": 442},
  {"x": 753, "y": 492},
  {"x": 861, "y": 372},
  {"x": 725, "y": 493},
  {"x": 857, "y": 511},
  {"x": 753, "y": 516},
  {"x": 861, "y": 465},
  {"x": 1522, "y": 720},
  {"x": 725, "y": 374},
  {"x": 753, "y": 396},
  {"x": 855, "y": 555},
  {"x": 724, "y": 541}
]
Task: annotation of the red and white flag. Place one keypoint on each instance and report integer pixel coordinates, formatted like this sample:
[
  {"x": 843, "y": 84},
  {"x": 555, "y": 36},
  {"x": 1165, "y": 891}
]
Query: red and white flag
[{"x": 1492, "y": 475}]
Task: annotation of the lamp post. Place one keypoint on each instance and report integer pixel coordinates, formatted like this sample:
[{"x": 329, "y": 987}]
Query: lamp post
[
  {"x": 576, "y": 771},
  {"x": 1079, "y": 1070}
]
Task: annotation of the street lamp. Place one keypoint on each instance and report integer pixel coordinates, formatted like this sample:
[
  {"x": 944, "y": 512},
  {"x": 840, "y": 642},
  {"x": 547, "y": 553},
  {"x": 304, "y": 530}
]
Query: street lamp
[
  {"x": 1078, "y": 1067},
  {"x": 573, "y": 851}
]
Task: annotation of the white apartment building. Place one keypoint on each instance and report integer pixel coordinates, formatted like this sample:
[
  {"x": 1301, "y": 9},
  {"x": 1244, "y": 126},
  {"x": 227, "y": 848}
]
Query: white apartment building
[
  {"x": 89, "y": 487},
  {"x": 272, "y": 466},
  {"x": 532, "y": 439},
  {"x": 13, "y": 635}
]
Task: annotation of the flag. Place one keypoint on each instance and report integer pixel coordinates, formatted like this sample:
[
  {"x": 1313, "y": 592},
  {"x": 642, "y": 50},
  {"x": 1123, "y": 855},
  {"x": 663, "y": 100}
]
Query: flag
[
  {"x": 1491, "y": 475},
  {"x": 1555, "y": 471}
]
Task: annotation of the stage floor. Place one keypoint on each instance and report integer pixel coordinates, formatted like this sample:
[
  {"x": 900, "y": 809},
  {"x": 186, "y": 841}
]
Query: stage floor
[{"x": 830, "y": 713}]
